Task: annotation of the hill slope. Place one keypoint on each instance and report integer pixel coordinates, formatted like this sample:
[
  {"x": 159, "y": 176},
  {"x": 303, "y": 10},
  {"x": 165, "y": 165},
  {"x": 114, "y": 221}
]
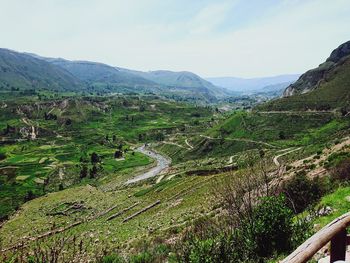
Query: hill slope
[
  {"x": 24, "y": 72},
  {"x": 104, "y": 78},
  {"x": 92, "y": 72},
  {"x": 324, "y": 88},
  {"x": 314, "y": 78},
  {"x": 182, "y": 81}
]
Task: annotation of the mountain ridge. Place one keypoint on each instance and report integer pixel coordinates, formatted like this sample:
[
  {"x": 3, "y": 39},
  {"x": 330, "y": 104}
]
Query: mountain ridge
[
  {"x": 324, "y": 88},
  {"x": 252, "y": 84},
  {"x": 20, "y": 70},
  {"x": 313, "y": 78}
]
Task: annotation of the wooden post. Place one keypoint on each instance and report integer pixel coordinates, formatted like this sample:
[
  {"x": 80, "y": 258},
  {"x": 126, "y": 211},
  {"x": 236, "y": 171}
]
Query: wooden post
[{"x": 338, "y": 246}]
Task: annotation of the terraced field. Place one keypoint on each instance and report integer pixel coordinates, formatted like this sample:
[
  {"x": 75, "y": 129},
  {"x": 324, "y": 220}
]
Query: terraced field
[{"x": 75, "y": 178}]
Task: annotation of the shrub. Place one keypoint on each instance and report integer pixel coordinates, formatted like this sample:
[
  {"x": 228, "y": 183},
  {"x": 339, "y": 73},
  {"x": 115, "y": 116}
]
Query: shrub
[
  {"x": 113, "y": 258},
  {"x": 341, "y": 172},
  {"x": 118, "y": 154},
  {"x": 143, "y": 257},
  {"x": 2, "y": 156},
  {"x": 272, "y": 226},
  {"x": 302, "y": 192},
  {"x": 268, "y": 231}
]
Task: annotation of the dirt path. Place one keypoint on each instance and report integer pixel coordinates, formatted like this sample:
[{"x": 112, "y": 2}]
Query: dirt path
[
  {"x": 162, "y": 164},
  {"x": 293, "y": 112},
  {"x": 230, "y": 161},
  {"x": 178, "y": 145},
  {"x": 238, "y": 139},
  {"x": 287, "y": 151},
  {"x": 189, "y": 145},
  {"x": 60, "y": 173}
]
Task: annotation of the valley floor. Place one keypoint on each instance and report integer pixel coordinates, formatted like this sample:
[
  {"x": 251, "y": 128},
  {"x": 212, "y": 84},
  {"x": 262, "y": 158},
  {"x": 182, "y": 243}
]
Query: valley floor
[{"x": 154, "y": 192}]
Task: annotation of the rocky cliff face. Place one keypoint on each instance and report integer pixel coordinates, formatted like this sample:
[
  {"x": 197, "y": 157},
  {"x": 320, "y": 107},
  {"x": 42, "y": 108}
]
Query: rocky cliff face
[{"x": 313, "y": 78}]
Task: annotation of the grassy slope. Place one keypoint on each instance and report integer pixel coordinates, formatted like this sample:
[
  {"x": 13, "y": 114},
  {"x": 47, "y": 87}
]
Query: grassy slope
[
  {"x": 338, "y": 201},
  {"x": 22, "y": 71},
  {"x": 42, "y": 159},
  {"x": 333, "y": 93},
  {"x": 183, "y": 198}
]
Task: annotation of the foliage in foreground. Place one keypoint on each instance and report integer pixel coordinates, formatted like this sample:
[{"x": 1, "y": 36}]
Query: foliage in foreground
[{"x": 269, "y": 231}]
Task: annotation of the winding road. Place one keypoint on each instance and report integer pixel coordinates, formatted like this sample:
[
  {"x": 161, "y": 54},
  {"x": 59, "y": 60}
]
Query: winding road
[
  {"x": 189, "y": 145},
  {"x": 162, "y": 164},
  {"x": 238, "y": 139},
  {"x": 286, "y": 151}
]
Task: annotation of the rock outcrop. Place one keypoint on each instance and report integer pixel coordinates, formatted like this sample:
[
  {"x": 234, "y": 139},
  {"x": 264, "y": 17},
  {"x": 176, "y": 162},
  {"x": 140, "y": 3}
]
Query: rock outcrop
[{"x": 313, "y": 78}]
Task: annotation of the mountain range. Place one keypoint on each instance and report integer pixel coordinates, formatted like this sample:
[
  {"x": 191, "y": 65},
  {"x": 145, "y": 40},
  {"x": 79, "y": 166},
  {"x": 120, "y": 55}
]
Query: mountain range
[
  {"x": 253, "y": 85},
  {"x": 21, "y": 71},
  {"x": 25, "y": 71}
]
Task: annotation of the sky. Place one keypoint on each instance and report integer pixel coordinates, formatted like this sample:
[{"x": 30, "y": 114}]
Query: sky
[{"x": 240, "y": 38}]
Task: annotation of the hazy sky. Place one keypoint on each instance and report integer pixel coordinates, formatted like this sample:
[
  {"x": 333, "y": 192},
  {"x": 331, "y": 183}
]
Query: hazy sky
[{"x": 245, "y": 38}]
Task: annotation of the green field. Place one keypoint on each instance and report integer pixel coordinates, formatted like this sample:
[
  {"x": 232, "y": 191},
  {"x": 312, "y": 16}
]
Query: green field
[{"x": 42, "y": 188}]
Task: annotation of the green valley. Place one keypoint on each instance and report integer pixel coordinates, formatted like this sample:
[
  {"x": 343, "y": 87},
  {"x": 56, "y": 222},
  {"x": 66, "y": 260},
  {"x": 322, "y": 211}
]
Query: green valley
[{"x": 105, "y": 164}]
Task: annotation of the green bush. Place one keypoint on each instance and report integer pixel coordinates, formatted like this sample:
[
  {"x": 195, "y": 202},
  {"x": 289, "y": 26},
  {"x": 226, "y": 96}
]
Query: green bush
[
  {"x": 114, "y": 258},
  {"x": 341, "y": 171},
  {"x": 2, "y": 156},
  {"x": 302, "y": 192},
  {"x": 143, "y": 257},
  {"x": 273, "y": 226},
  {"x": 336, "y": 158},
  {"x": 269, "y": 230}
]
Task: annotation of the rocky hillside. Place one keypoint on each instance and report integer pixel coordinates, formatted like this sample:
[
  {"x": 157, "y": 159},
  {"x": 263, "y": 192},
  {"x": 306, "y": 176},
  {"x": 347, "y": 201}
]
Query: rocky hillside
[
  {"x": 314, "y": 78},
  {"x": 19, "y": 71},
  {"x": 322, "y": 89}
]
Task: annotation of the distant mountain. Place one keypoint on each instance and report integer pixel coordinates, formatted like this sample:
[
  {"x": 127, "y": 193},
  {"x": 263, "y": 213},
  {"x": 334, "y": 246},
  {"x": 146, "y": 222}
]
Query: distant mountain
[
  {"x": 323, "y": 88},
  {"x": 24, "y": 72},
  {"x": 31, "y": 71},
  {"x": 273, "y": 91},
  {"x": 182, "y": 80},
  {"x": 253, "y": 84},
  {"x": 92, "y": 72}
]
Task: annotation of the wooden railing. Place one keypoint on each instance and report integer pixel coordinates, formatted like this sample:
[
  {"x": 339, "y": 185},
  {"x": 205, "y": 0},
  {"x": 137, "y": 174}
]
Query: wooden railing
[{"x": 334, "y": 232}]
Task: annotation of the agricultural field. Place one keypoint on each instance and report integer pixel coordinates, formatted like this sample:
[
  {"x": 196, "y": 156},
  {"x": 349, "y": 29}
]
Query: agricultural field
[
  {"x": 47, "y": 145},
  {"x": 66, "y": 165}
]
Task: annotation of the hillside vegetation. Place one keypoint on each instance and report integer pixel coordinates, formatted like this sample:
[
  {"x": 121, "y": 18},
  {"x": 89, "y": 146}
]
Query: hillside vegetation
[
  {"x": 24, "y": 72},
  {"x": 105, "y": 177},
  {"x": 324, "y": 88}
]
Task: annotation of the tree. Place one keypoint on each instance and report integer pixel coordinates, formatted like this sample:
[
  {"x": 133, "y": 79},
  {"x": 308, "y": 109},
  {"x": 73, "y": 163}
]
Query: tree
[
  {"x": 83, "y": 171},
  {"x": 29, "y": 196},
  {"x": 2, "y": 156},
  {"x": 94, "y": 158},
  {"x": 302, "y": 192},
  {"x": 281, "y": 135},
  {"x": 118, "y": 154},
  {"x": 142, "y": 108},
  {"x": 93, "y": 171}
]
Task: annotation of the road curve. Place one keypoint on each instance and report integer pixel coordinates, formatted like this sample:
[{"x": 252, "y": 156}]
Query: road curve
[
  {"x": 162, "y": 164},
  {"x": 287, "y": 151}
]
